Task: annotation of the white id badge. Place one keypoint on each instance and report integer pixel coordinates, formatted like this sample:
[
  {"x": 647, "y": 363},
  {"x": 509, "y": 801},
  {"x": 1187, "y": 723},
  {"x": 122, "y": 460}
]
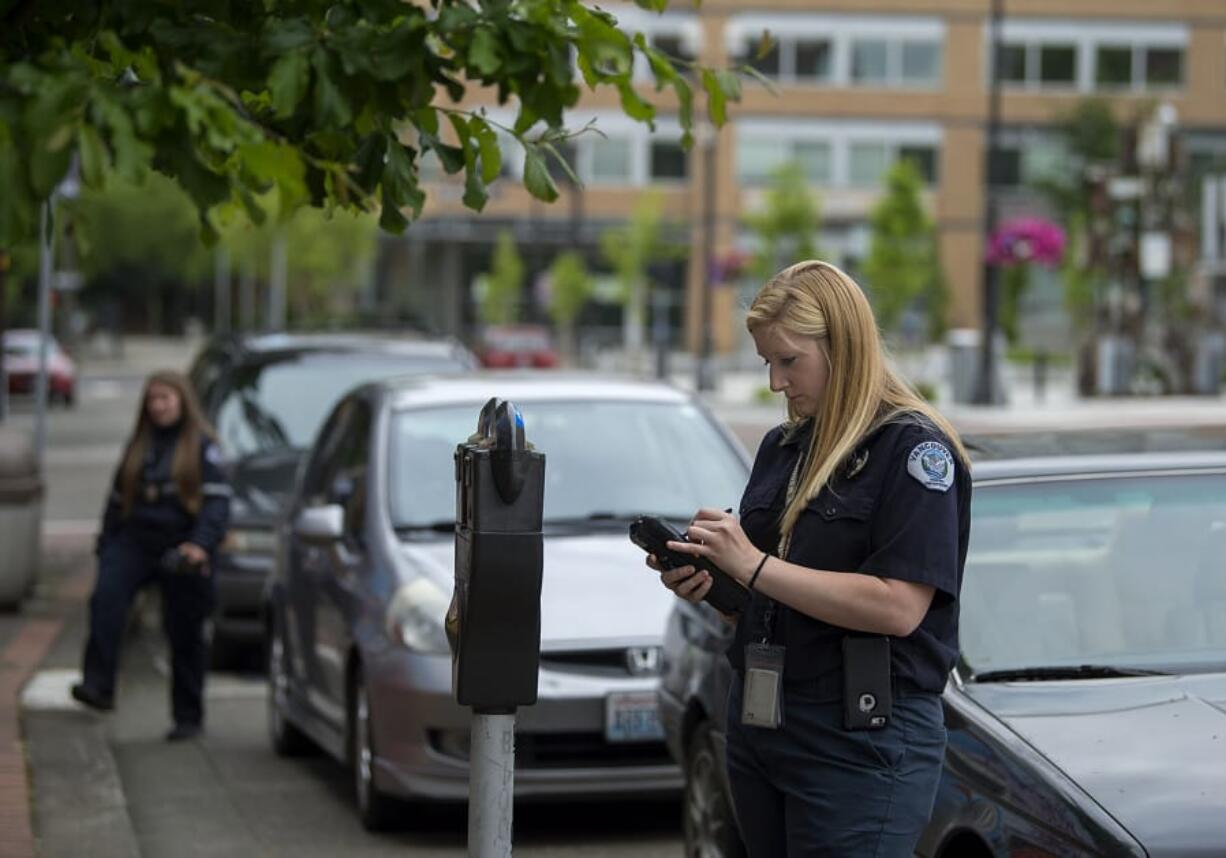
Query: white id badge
[{"x": 762, "y": 697}]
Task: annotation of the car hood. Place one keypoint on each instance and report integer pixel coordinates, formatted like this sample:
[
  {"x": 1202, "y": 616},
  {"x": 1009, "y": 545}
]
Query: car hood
[
  {"x": 1151, "y": 751},
  {"x": 595, "y": 589}
]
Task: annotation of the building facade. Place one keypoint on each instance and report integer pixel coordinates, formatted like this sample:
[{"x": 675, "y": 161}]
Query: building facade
[{"x": 857, "y": 84}]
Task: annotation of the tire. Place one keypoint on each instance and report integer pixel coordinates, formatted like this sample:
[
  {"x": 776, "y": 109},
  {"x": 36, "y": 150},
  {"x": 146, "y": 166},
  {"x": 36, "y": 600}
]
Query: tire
[
  {"x": 375, "y": 809},
  {"x": 286, "y": 739},
  {"x": 707, "y": 818}
]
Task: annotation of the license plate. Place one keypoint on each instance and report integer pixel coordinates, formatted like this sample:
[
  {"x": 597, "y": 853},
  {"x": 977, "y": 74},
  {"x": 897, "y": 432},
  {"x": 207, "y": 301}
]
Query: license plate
[{"x": 632, "y": 716}]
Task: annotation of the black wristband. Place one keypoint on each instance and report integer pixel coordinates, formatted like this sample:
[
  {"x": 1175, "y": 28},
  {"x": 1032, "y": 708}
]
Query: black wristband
[{"x": 753, "y": 578}]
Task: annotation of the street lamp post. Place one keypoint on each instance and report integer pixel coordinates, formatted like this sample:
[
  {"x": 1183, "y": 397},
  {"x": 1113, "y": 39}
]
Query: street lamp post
[{"x": 985, "y": 392}]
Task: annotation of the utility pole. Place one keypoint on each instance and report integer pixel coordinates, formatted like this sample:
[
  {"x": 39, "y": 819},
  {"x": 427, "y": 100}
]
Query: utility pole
[
  {"x": 45, "y": 264},
  {"x": 704, "y": 378},
  {"x": 5, "y": 264},
  {"x": 985, "y": 392},
  {"x": 221, "y": 291},
  {"x": 277, "y": 275}
]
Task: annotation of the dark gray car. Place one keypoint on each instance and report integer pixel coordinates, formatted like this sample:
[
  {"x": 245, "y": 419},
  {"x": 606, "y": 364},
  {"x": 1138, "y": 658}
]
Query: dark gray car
[
  {"x": 1087, "y": 714},
  {"x": 359, "y": 661},
  {"x": 266, "y": 395}
]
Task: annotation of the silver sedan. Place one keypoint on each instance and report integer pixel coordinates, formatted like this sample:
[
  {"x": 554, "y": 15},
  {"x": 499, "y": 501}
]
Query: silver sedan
[{"x": 358, "y": 659}]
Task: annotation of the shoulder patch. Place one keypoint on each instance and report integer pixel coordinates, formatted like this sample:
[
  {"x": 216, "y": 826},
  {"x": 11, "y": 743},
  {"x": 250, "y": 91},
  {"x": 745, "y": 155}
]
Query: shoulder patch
[{"x": 932, "y": 465}]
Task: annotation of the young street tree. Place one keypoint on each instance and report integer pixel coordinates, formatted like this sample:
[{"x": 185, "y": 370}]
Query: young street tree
[
  {"x": 570, "y": 287},
  {"x": 503, "y": 286},
  {"x": 786, "y": 226},
  {"x": 902, "y": 265},
  {"x": 331, "y": 104}
]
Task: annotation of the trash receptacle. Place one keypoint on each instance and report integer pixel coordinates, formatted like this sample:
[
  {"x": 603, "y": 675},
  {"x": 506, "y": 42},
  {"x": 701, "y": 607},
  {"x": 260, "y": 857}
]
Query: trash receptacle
[
  {"x": 964, "y": 365},
  {"x": 21, "y": 513}
]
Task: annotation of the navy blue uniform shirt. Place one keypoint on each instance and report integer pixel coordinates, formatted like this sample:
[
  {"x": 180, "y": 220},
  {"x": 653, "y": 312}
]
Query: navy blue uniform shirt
[
  {"x": 893, "y": 511},
  {"x": 158, "y": 515}
]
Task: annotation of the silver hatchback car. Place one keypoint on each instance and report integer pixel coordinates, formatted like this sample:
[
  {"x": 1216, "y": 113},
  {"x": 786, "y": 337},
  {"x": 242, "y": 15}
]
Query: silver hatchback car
[{"x": 358, "y": 658}]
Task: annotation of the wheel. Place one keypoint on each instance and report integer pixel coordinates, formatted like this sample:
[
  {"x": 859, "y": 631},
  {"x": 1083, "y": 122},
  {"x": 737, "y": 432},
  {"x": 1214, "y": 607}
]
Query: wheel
[
  {"x": 375, "y": 808},
  {"x": 286, "y": 739},
  {"x": 710, "y": 827}
]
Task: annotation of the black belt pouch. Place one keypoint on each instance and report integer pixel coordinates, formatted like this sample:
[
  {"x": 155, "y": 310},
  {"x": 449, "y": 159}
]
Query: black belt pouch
[{"x": 867, "y": 687}]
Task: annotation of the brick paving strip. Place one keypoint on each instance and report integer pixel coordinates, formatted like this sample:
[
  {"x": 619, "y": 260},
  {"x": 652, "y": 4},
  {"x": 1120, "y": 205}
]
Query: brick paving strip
[{"x": 20, "y": 658}]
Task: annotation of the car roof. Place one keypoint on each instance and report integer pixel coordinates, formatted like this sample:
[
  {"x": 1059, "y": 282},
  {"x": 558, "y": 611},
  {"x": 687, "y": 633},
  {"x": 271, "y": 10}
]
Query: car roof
[
  {"x": 522, "y": 386},
  {"x": 271, "y": 346},
  {"x": 1097, "y": 466}
]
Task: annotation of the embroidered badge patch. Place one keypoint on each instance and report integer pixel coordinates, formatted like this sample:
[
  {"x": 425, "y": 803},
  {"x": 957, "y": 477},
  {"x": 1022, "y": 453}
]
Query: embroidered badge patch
[{"x": 933, "y": 465}]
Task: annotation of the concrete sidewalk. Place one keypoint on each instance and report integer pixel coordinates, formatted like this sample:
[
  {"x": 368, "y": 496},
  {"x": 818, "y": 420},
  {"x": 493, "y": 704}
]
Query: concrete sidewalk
[{"x": 59, "y": 792}]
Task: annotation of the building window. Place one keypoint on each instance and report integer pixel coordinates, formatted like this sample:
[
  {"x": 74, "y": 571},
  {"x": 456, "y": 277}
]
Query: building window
[
  {"x": 1113, "y": 66},
  {"x": 1058, "y": 65},
  {"x": 868, "y": 163},
  {"x": 757, "y": 158},
  {"x": 768, "y": 64},
  {"x": 1005, "y": 167},
  {"x": 870, "y": 61},
  {"x": 1163, "y": 67},
  {"x": 921, "y": 62},
  {"x": 923, "y": 157},
  {"x": 760, "y": 158},
  {"x": 813, "y": 59},
  {"x": 1013, "y": 63},
  {"x": 610, "y": 162},
  {"x": 813, "y": 156},
  {"x": 673, "y": 45},
  {"x": 668, "y": 160}
]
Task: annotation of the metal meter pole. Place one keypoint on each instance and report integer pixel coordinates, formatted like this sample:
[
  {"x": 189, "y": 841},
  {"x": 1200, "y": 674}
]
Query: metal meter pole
[{"x": 491, "y": 789}]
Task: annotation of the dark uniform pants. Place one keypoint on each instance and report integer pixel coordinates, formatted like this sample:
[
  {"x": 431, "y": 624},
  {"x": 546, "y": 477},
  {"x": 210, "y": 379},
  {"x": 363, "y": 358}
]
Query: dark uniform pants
[
  {"x": 127, "y": 563},
  {"x": 812, "y": 788}
]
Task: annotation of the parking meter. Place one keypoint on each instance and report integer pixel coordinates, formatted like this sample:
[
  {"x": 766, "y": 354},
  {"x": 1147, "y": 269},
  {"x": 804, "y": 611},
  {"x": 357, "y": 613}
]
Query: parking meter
[{"x": 494, "y": 624}]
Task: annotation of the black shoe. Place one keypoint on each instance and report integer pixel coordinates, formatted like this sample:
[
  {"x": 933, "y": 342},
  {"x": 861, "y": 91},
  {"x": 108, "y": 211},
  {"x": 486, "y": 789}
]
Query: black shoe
[
  {"x": 182, "y": 732},
  {"x": 82, "y": 693}
]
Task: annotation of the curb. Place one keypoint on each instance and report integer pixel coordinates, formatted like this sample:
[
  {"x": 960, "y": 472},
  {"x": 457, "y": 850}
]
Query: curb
[
  {"x": 17, "y": 662},
  {"x": 60, "y": 791}
]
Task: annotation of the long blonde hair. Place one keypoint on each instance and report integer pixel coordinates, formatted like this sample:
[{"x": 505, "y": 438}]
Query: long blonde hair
[
  {"x": 814, "y": 299},
  {"x": 185, "y": 466}
]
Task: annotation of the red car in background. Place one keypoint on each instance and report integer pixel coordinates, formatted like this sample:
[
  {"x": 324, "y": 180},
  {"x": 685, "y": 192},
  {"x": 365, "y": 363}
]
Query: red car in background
[
  {"x": 21, "y": 356},
  {"x": 512, "y": 346}
]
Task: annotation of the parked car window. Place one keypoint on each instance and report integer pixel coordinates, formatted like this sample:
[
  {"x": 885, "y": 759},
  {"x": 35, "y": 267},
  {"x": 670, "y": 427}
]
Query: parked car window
[
  {"x": 281, "y": 404},
  {"x": 348, "y": 483},
  {"x": 322, "y": 465},
  {"x": 601, "y": 457},
  {"x": 1123, "y": 571}
]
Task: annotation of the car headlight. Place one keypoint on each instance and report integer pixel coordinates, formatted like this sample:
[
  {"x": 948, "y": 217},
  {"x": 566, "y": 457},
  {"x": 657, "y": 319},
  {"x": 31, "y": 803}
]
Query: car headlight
[
  {"x": 242, "y": 540},
  {"x": 416, "y": 614}
]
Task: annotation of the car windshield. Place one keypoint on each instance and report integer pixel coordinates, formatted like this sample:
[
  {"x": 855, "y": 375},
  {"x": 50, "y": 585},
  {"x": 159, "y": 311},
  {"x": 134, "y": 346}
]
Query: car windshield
[
  {"x": 274, "y": 405},
  {"x": 1127, "y": 572},
  {"x": 602, "y": 459}
]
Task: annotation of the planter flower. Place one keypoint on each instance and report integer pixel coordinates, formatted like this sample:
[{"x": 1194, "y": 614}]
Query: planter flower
[{"x": 1015, "y": 247}]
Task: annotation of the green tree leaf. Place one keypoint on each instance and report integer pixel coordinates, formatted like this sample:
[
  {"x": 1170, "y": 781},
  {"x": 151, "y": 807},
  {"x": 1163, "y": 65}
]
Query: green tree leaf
[
  {"x": 288, "y": 82},
  {"x": 483, "y": 52},
  {"x": 491, "y": 152},
  {"x": 95, "y": 160},
  {"x": 537, "y": 179}
]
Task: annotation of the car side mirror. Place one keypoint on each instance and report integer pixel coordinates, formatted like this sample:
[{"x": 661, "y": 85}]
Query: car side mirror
[{"x": 321, "y": 523}]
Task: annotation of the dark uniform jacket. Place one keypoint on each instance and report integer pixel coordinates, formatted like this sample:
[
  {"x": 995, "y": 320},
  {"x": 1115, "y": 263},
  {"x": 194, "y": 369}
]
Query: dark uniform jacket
[
  {"x": 158, "y": 516},
  {"x": 893, "y": 510}
]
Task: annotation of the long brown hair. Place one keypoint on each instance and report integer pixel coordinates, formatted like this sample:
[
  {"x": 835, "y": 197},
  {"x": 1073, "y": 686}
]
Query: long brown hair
[
  {"x": 816, "y": 300},
  {"x": 185, "y": 467}
]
